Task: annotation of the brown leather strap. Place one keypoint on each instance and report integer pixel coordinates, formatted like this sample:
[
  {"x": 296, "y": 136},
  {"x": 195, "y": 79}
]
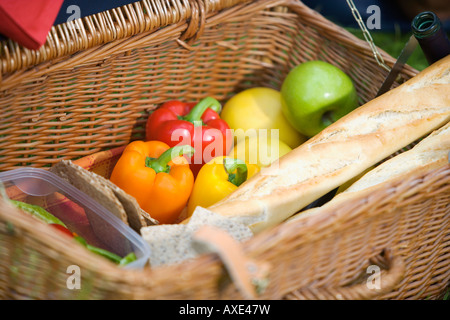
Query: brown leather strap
[{"x": 249, "y": 276}]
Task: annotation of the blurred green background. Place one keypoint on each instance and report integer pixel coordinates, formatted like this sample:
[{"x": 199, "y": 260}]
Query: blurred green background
[{"x": 393, "y": 43}]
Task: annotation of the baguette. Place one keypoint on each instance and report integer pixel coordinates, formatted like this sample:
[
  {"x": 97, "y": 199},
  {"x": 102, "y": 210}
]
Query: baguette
[
  {"x": 431, "y": 153},
  {"x": 343, "y": 150}
]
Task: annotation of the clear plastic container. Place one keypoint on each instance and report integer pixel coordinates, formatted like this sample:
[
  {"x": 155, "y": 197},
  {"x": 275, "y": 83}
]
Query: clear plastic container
[{"x": 80, "y": 213}]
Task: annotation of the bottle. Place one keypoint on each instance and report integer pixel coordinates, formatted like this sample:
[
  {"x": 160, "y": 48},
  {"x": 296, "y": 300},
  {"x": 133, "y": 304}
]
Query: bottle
[{"x": 427, "y": 29}]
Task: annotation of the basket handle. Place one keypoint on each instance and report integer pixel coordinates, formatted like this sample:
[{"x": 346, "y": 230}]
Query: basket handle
[
  {"x": 196, "y": 24},
  {"x": 249, "y": 276},
  {"x": 388, "y": 280}
]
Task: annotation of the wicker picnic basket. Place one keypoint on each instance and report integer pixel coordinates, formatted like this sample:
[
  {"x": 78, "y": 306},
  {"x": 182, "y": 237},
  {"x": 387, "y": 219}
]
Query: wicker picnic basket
[{"x": 87, "y": 93}]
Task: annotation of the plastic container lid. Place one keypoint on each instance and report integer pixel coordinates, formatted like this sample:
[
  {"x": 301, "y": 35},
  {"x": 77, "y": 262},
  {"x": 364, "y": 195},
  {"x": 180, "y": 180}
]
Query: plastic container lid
[{"x": 77, "y": 210}]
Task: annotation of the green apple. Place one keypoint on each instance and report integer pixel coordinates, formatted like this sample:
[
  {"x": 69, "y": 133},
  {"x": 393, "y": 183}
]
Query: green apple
[{"x": 316, "y": 94}]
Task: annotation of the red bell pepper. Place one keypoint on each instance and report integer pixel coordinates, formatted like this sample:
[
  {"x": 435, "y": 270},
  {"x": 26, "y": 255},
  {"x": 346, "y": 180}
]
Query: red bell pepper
[{"x": 198, "y": 125}]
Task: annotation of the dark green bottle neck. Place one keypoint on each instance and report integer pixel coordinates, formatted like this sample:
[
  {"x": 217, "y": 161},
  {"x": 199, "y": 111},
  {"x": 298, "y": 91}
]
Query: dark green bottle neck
[
  {"x": 425, "y": 25},
  {"x": 427, "y": 29}
]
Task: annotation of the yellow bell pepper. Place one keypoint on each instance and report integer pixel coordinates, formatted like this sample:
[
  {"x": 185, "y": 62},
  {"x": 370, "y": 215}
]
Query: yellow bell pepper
[{"x": 218, "y": 178}]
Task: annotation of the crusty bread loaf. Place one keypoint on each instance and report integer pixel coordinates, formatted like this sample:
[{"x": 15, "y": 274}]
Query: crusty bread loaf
[
  {"x": 343, "y": 150},
  {"x": 430, "y": 153}
]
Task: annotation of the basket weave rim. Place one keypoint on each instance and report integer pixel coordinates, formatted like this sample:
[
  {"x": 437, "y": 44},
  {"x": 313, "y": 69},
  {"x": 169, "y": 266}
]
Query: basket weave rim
[
  {"x": 349, "y": 209},
  {"x": 104, "y": 27},
  {"x": 145, "y": 16}
]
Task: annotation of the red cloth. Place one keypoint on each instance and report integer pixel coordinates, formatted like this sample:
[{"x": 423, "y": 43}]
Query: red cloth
[{"x": 28, "y": 21}]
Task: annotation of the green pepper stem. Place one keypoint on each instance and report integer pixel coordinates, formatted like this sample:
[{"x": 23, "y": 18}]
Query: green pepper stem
[
  {"x": 161, "y": 164},
  {"x": 232, "y": 165},
  {"x": 197, "y": 111}
]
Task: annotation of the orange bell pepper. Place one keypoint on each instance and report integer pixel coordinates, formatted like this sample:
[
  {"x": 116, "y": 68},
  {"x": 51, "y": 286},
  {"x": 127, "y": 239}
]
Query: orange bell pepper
[{"x": 157, "y": 176}]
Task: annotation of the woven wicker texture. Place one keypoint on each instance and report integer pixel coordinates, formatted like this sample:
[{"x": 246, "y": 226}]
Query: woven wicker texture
[
  {"x": 98, "y": 98},
  {"x": 92, "y": 90},
  {"x": 403, "y": 227}
]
